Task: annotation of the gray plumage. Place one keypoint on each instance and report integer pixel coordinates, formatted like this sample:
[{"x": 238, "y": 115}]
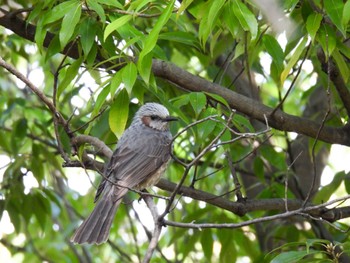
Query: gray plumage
[{"x": 139, "y": 161}]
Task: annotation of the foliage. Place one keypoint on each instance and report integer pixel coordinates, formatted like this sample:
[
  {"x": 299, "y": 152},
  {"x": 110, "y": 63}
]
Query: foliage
[{"x": 260, "y": 103}]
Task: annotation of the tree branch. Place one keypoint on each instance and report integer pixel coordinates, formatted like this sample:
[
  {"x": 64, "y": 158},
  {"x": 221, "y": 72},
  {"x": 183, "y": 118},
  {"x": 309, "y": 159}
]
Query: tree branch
[{"x": 280, "y": 120}]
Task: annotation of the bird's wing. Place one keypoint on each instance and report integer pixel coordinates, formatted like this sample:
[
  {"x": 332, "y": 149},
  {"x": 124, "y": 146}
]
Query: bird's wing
[{"x": 134, "y": 162}]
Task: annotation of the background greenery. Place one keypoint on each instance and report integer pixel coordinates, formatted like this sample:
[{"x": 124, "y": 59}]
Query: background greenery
[{"x": 268, "y": 84}]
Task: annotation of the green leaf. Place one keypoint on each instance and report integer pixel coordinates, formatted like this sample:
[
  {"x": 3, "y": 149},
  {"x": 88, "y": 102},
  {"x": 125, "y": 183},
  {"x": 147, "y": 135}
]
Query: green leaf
[
  {"x": 150, "y": 42},
  {"x": 180, "y": 101},
  {"x": 129, "y": 76},
  {"x": 180, "y": 37},
  {"x": 342, "y": 65},
  {"x": 183, "y": 7},
  {"x": 325, "y": 193},
  {"x": 327, "y": 39},
  {"x": 346, "y": 14},
  {"x": 275, "y": 158},
  {"x": 115, "y": 82},
  {"x": 41, "y": 208},
  {"x": 111, "y": 3},
  {"x": 245, "y": 17},
  {"x": 218, "y": 98},
  {"x": 145, "y": 68},
  {"x": 294, "y": 59},
  {"x": 18, "y": 135},
  {"x": 347, "y": 183},
  {"x": 207, "y": 127},
  {"x": 69, "y": 22},
  {"x": 94, "y": 5},
  {"x": 14, "y": 214},
  {"x": 68, "y": 75},
  {"x": 313, "y": 24},
  {"x": 136, "y": 5},
  {"x": 87, "y": 33},
  {"x": 36, "y": 165},
  {"x": 59, "y": 11},
  {"x": 258, "y": 168},
  {"x": 334, "y": 9},
  {"x": 101, "y": 99},
  {"x": 208, "y": 21},
  {"x": 198, "y": 101},
  {"x": 275, "y": 51},
  {"x": 289, "y": 257},
  {"x": 242, "y": 123},
  {"x": 207, "y": 243},
  {"x": 115, "y": 25},
  {"x": 118, "y": 114}
]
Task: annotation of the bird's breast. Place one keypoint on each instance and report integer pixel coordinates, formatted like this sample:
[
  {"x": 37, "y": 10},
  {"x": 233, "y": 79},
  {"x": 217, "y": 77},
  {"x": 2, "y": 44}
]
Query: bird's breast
[{"x": 154, "y": 178}]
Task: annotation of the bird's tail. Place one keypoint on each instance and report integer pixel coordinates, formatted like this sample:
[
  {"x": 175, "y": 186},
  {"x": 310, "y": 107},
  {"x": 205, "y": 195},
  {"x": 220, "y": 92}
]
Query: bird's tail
[{"x": 95, "y": 229}]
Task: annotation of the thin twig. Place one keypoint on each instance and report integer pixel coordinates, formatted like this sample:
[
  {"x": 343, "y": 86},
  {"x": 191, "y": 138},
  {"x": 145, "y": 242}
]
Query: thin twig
[
  {"x": 301, "y": 211},
  {"x": 235, "y": 178}
]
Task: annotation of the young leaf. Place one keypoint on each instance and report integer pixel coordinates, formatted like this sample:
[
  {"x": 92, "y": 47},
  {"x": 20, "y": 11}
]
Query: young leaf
[
  {"x": 98, "y": 9},
  {"x": 334, "y": 9},
  {"x": 71, "y": 73},
  {"x": 118, "y": 114},
  {"x": 87, "y": 33},
  {"x": 294, "y": 59},
  {"x": 327, "y": 38},
  {"x": 115, "y": 25},
  {"x": 342, "y": 65},
  {"x": 313, "y": 24},
  {"x": 290, "y": 257},
  {"x": 346, "y": 14},
  {"x": 129, "y": 76},
  {"x": 180, "y": 37},
  {"x": 183, "y": 7},
  {"x": 198, "y": 101},
  {"x": 59, "y": 11},
  {"x": 245, "y": 17},
  {"x": 207, "y": 23},
  {"x": 101, "y": 99},
  {"x": 115, "y": 82},
  {"x": 151, "y": 41},
  {"x": 69, "y": 22},
  {"x": 275, "y": 51}
]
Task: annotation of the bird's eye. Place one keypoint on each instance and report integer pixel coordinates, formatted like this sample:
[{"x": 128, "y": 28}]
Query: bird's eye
[{"x": 154, "y": 117}]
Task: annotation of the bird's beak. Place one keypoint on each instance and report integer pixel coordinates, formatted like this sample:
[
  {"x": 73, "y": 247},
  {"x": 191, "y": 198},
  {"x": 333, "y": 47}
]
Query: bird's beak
[{"x": 170, "y": 118}]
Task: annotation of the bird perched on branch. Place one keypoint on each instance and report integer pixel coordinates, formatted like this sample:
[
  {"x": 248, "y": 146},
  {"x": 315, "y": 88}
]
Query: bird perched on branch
[{"x": 139, "y": 161}]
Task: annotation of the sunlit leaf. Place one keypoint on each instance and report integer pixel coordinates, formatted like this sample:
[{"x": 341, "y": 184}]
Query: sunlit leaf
[
  {"x": 245, "y": 17},
  {"x": 198, "y": 101},
  {"x": 289, "y": 257},
  {"x": 119, "y": 112},
  {"x": 129, "y": 76},
  {"x": 116, "y": 24},
  {"x": 151, "y": 40},
  {"x": 87, "y": 34},
  {"x": 342, "y": 65},
  {"x": 334, "y": 9},
  {"x": 294, "y": 59},
  {"x": 313, "y": 24},
  {"x": 94, "y": 5},
  {"x": 69, "y": 22}
]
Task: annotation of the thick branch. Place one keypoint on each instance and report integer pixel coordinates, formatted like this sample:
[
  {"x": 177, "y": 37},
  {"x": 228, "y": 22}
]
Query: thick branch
[
  {"x": 241, "y": 208},
  {"x": 280, "y": 120},
  {"x": 330, "y": 68}
]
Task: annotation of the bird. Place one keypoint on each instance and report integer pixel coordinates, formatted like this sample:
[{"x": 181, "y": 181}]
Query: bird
[{"x": 140, "y": 159}]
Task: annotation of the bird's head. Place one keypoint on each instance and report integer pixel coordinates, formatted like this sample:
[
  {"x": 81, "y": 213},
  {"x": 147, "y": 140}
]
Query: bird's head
[{"x": 155, "y": 116}]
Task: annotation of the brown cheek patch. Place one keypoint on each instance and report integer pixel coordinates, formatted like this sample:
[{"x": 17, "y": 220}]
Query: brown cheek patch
[{"x": 146, "y": 120}]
